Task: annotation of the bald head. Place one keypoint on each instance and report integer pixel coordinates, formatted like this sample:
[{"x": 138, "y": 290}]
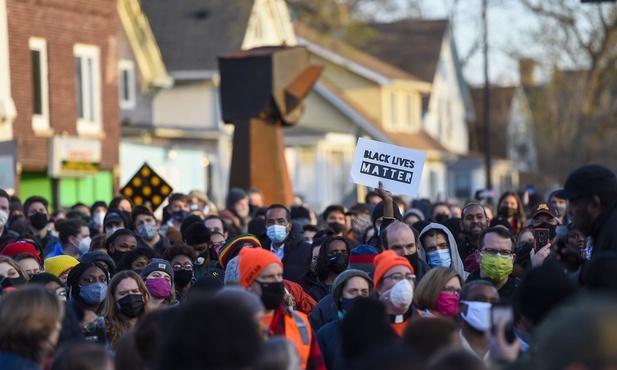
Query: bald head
[{"x": 400, "y": 238}]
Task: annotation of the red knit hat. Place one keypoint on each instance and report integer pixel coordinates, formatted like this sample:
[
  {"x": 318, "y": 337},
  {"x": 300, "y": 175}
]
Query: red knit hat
[
  {"x": 386, "y": 261},
  {"x": 16, "y": 248},
  {"x": 252, "y": 262}
]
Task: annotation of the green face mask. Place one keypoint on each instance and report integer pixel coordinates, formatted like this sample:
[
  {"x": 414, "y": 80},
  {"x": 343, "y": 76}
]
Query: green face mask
[{"x": 496, "y": 268}]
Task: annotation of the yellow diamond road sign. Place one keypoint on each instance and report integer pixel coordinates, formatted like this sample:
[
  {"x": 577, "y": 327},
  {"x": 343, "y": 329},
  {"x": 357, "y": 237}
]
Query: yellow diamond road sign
[{"x": 147, "y": 187}]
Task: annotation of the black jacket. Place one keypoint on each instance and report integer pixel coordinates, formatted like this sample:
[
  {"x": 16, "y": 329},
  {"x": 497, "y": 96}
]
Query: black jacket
[
  {"x": 605, "y": 232},
  {"x": 295, "y": 257},
  {"x": 325, "y": 312},
  {"x": 506, "y": 292}
]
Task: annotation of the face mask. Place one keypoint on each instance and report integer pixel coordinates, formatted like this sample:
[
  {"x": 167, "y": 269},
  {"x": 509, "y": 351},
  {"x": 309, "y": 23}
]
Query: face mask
[
  {"x": 93, "y": 294},
  {"x": 478, "y": 315},
  {"x": 111, "y": 230},
  {"x": 336, "y": 227},
  {"x": 117, "y": 255},
  {"x": 560, "y": 208},
  {"x": 84, "y": 245},
  {"x": 313, "y": 265},
  {"x": 147, "y": 231},
  {"x": 179, "y": 216},
  {"x": 338, "y": 263},
  {"x": 182, "y": 278},
  {"x": 439, "y": 258},
  {"x": 218, "y": 249},
  {"x": 131, "y": 306},
  {"x": 496, "y": 268},
  {"x": 346, "y": 303},
  {"x": 272, "y": 294},
  {"x": 361, "y": 223},
  {"x": 4, "y": 217},
  {"x": 508, "y": 212},
  {"x": 441, "y": 218},
  {"x": 158, "y": 287},
  {"x": 447, "y": 304},
  {"x": 401, "y": 294},
  {"x": 98, "y": 219},
  {"x": 12, "y": 282},
  {"x": 38, "y": 220},
  {"x": 551, "y": 229},
  {"x": 413, "y": 259},
  {"x": 277, "y": 233}
]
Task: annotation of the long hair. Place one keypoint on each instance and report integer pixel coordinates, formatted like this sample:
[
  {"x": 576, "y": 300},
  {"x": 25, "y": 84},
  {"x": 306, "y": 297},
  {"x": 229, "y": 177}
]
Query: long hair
[
  {"x": 321, "y": 269},
  {"x": 116, "y": 323},
  {"x": 520, "y": 210},
  {"x": 28, "y": 318},
  {"x": 15, "y": 265},
  {"x": 427, "y": 292}
]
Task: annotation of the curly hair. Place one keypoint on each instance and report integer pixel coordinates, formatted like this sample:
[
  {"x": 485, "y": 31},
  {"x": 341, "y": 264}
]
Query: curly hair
[
  {"x": 179, "y": 248},
  {"x": 321, "y": 269}
]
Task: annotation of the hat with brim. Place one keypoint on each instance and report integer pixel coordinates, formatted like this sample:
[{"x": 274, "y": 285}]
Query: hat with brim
[{"x": 592, "y": 179}]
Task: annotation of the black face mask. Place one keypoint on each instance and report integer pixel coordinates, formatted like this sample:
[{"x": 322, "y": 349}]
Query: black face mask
[
  {"x": 180, "y": 215},
  {"x": 182, "y": 278},
  {"x": 441, "y": 218},
  {"x": 38, "y": 220},
  {"x": 507, "y": 212},
  {"x": 413, "y": 259},
  {"x": 551, "y": 229},
  {"x": 117, "y": 255},
  {"x": 336, "y": 227},
  {"x": 272, "y": 294},
  {"x": 131, "y": 305},
  {"x": 12, "y": 282},
  {"x": 338, "y": 263}
]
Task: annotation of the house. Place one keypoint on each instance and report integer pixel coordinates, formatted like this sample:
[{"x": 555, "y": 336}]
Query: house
[
  {"x": 172, "y": 120},
  {"x": 59, "y": 92}
]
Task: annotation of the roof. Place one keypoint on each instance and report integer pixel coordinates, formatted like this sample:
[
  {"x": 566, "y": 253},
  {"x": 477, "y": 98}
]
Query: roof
[
  {"x": 412, "y": 45},
  {"x": 349, "y": 52},
  {"x": 500, "y": 103},
  {"x": 191, "y": 34}
]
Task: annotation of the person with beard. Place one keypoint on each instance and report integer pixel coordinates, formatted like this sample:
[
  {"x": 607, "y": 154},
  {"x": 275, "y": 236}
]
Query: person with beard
[
  {"x": 182, "y": 260},
  {"x": 394, "y": 285},
  {"x": 286, "y": 242},
  {"x": 403, "y": 240},
  {"x": 476, "y": 299},
  {"x": 36, "y": 209},
  {"x": 120, "y": 242},
  {"x": 496, "y": 257},
  {"x": 146, "y": 227},
  {"x": 126, "y": 302},
  {"x": 236, "y": 212},
  {"x": 333, "y": 259},
  {"x": 87, "y": 284},
  {"x": 261, "y": 273},
  {"x": 473, "y": 222}
]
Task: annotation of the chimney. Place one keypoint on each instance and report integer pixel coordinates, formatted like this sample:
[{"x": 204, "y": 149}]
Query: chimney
[{"x": 526, "y": 68}]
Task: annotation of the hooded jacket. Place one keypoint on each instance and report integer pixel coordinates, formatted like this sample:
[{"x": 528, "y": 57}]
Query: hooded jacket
[{"x": 457, "y": 264}]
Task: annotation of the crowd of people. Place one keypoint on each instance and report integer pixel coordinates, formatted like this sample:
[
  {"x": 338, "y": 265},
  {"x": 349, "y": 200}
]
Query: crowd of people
[{"x": 383, "y": 284}]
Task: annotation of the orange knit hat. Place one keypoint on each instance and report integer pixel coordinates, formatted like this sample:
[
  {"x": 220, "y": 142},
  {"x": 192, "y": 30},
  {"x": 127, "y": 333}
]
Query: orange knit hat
[
  {"x": 386, "y": 261},
  {"x": 252, "y": 261}
]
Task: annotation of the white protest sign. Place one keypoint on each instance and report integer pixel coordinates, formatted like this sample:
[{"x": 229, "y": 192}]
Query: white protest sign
[{"x": 399, "y": 168}]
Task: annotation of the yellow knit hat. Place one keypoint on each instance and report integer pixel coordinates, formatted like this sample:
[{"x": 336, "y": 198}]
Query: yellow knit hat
[{"x": 58, "y": 264}]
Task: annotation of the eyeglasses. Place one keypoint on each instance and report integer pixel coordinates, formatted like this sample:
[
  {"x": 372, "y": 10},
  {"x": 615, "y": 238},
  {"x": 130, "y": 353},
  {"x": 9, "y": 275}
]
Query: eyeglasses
[
  {"x": 495, "y": 252},
  {"x": 186, "y": 266},
  {"x": 451, "y": 290},
  {"x": 398, "y": 276},
  {"x": 98, "y": 323}
]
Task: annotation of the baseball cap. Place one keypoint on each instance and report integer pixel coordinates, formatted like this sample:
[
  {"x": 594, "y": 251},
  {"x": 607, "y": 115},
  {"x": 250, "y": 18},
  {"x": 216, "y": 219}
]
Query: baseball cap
[
  {"x": 588, "y": 180},
  {"x": 359, "y": 208},
  {"x": 543, "y": 208}
]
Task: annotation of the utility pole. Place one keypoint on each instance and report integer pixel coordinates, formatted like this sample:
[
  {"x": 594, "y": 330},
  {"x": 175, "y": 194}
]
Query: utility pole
[{"x": 486, "y": 106}]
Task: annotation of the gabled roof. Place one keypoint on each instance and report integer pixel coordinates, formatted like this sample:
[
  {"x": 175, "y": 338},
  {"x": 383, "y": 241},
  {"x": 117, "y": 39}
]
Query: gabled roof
[
  {"x": 501, "y": 99},
  {"x": 191, "y": 34},
  {"x": 412, "y": 45},
  {"x": 342, "y": 53}
]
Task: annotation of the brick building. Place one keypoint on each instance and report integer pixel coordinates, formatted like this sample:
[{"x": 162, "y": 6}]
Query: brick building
[{"x": 64, "y": 84}]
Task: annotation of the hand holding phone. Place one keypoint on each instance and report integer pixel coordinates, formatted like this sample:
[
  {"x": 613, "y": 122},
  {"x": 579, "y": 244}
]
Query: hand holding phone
[{"x": 541, "y": 238}]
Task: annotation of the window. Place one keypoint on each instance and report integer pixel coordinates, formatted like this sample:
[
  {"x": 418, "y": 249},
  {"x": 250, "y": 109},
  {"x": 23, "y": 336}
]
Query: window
[
  {"x": 393, "y": 111},
  {"x": 88, "y": 89},
  {"x": 409, "y": 112},
  {"x": 126, "y": 84},
  {"x": 462, "y": 187},
  {"x": 40, "y": 86}
]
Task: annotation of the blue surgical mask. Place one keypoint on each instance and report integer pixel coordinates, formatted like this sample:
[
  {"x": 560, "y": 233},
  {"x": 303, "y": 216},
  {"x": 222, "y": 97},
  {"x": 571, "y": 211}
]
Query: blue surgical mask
[
  {"x": 93, "y": 294},
  {"x": 277, "y": 233},
  {"x": 439, "y": 258}
]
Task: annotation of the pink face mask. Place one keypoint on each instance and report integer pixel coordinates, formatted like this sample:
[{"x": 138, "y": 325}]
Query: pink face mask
[{"x": 447, "y": 304}]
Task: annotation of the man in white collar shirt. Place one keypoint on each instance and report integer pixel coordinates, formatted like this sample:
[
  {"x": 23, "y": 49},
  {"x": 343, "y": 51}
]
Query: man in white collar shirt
[{"x": 476, "y": 299}]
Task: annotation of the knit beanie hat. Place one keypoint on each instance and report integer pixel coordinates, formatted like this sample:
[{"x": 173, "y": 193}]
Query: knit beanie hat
[
  {"x": 378, "y": 212},
  {"x": 252, "y": 262},
  {"x": 385, "y": 262},
  {"x": 232, "y": 274},
  {"x": 158, "y": 264},
  {"x": 188, "y": 221},
  {"x": 362, "y": 257},
  {"x": 20, "y": 247},
  {"x": 58, "y": 264},
  {"x": 416, "y": 212},
  {"x": 196, "y": 234},
  {"x": 231, "y": 249},
  {"x": 339, "y": 282},
  {"x": 235, "y": 194}
]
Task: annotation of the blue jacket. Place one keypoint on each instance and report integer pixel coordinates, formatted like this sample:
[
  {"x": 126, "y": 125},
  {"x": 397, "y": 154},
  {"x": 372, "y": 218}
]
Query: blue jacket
[
  {"x": 329, "y": 340},
  {"x": 325, "y": 312},
  {"x": 11, "y": 361}
]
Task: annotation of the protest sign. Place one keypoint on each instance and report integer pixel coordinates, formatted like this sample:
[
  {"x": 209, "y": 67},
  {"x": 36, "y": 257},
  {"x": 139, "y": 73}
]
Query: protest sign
[{"x": 399, "y": 168}]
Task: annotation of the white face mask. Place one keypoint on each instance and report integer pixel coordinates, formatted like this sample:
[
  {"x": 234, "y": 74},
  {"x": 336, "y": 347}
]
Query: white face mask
[
  {"x": 98, "y": 218},
  {"x": 3, "y": 218},
  {"x": 478, "y": 315},
  {"x": 401, "y": 294},
  {"x": 84, "y": 245},
  {"x": 111, "y": 230}
]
